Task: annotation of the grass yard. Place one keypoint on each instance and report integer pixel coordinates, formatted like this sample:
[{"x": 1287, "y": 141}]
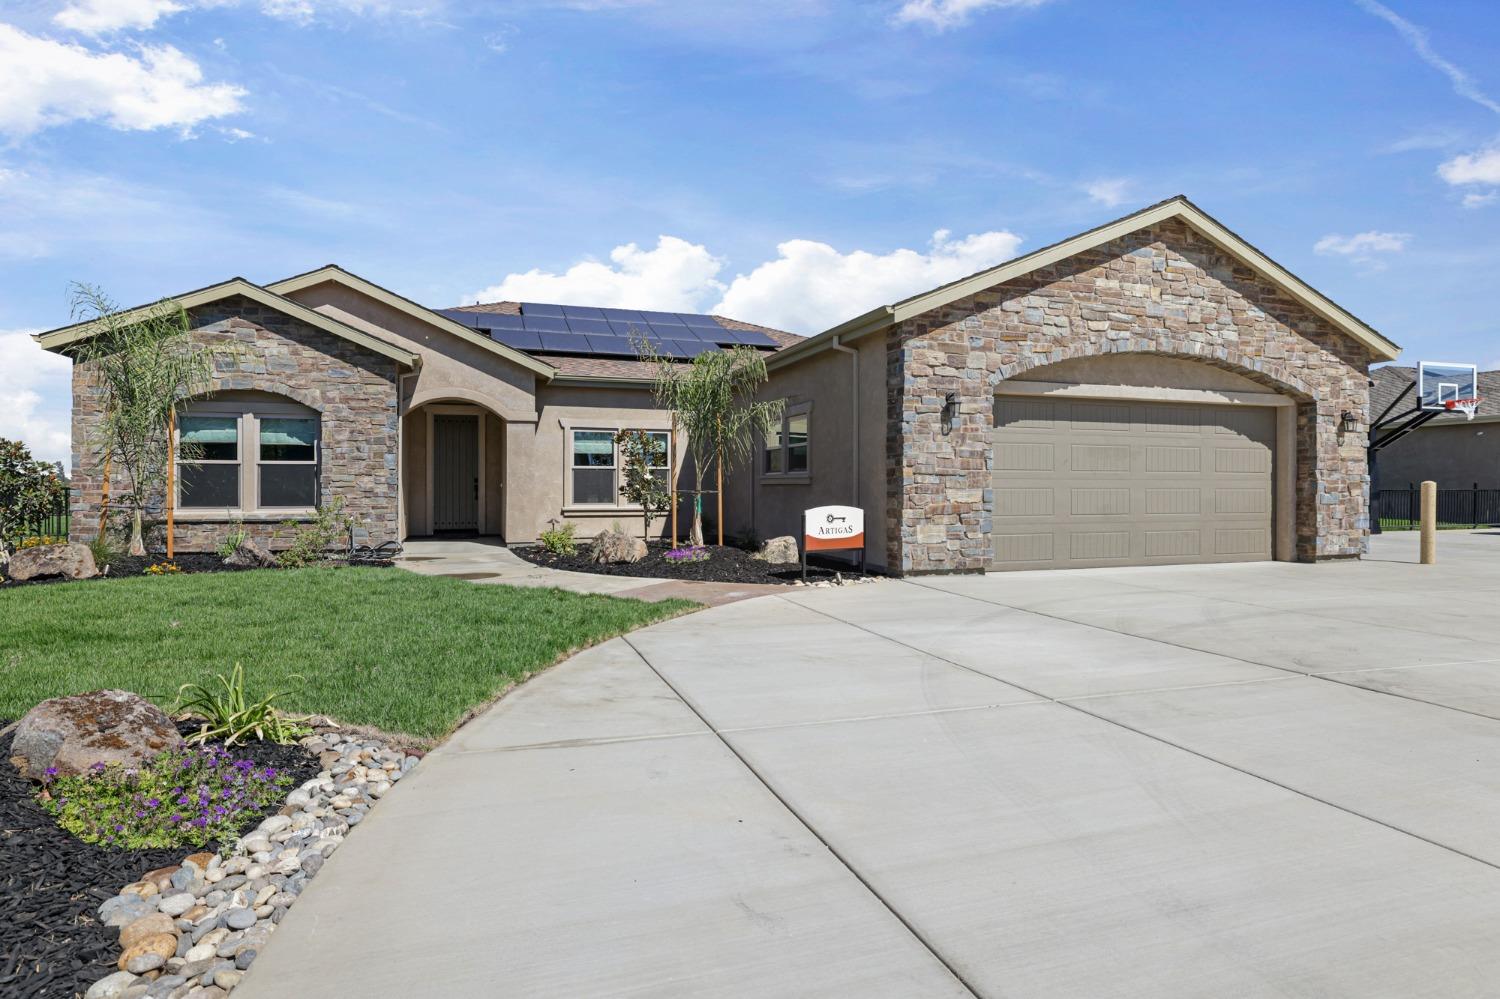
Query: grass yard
[{"x": 381, "y": 647}]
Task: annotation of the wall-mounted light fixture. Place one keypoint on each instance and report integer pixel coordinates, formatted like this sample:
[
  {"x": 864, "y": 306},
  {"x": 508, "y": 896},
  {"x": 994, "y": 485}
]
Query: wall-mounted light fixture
[
  {"x": 1348, "y": 422},
  {"x": 950, "y": 407}
]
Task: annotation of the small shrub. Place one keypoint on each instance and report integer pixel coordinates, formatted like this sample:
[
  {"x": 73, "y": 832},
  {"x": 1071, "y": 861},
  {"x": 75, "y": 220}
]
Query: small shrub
[
  {"x": 688, "y": 553},
  {"x": 40, "y": 540},
  {"x": 104, "y": 550},
  {"x": 162, "y": 569},
  {"x": 230, "y": 715},
  {"x": 311, "y": 543},
  {"x": 237, "y": 536},
  {"x": 182, "y": 797},
  {"x": 560, "y": 540}
]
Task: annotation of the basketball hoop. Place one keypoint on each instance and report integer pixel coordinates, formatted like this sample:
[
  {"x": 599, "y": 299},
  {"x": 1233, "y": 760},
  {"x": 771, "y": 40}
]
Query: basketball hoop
[{"x": 1468, "y": 407}]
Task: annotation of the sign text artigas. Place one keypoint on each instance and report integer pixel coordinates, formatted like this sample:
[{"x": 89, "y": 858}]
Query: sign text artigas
[{"x": 833, "y": 528}]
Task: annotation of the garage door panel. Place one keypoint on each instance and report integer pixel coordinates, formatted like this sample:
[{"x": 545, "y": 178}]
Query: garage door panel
[{"x": 1087, "y": 483}]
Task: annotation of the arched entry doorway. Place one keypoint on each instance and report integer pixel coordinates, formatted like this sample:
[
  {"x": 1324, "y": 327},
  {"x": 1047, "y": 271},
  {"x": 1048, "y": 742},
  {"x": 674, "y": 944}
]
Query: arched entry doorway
[{"x": 453, "y": 469}]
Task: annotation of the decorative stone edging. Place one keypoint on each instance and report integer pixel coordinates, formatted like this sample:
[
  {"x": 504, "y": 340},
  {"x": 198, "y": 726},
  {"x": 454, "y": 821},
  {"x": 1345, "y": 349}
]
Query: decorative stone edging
[{"x": 194, "y": 930}]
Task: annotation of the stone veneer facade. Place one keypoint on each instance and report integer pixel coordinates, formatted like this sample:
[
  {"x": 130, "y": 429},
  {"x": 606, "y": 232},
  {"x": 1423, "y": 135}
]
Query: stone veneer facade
[
  {"x": 353, "y": 389},
  {"x": 1164, "y": 290}
]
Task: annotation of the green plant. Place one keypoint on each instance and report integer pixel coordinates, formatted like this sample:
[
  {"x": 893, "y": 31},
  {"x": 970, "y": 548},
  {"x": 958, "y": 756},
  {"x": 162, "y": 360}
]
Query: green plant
[
  {"x": 713, "y": 400},
  {"x": 236, "y": 536},
  {"x": 560, "y": 540},
  {"x": 183, "y": 797},
  {"x": 104, "y": 550},
  {"x": 311, "y": 542},
  {"x": 162, "y": 569},
  {"x": 142, "y": 363},
  {"x": 644, "y": 455},
  {"x": 230, "y": 715},
  {"x": 41, "y": 539},
  {"x": 30, "y": 491}
]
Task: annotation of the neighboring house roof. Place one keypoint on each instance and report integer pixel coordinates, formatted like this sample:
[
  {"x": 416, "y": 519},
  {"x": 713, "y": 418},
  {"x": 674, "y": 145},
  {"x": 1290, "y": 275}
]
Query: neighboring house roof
[
  {"x": 1178, "y": 207},
  {"x": 1388, "y": 382},
  {"x": 336, "y": 274},
  {"x": 59, "y": 339}
]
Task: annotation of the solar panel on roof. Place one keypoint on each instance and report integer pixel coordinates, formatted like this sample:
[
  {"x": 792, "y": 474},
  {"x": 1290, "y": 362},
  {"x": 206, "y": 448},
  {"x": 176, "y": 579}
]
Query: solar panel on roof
[
  {"x": 519, "y": 339},
  {"x": 496, "y": 321},
  {"x": 698, "y": 319},
  {"x": 458, "y": 316},
  {"x": 669, "y": 331},
  {"x": 755, "y": 338},
  {"x": 670, "y": 318},
  {"x": 567, "y": 343},
  {"x": 583, "y": 325},
  {"x": 632, "y": 327},
  {"x": 611, "y": 346},
  {"x": 547, "y": 324},
  {"x": 672, "y": 348},
  {"x": 692, "y": 348},
  {"x": 541, "y": 309},
  {"x": 624, "y": 315},
  {"x": 582, "y": 312}
]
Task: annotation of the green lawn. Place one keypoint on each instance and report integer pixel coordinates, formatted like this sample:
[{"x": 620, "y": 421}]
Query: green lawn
[{"x": 381, "y": 647}]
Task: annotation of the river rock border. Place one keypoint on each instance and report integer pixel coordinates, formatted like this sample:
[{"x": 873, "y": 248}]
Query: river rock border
[{"x": 192, "y": 931}]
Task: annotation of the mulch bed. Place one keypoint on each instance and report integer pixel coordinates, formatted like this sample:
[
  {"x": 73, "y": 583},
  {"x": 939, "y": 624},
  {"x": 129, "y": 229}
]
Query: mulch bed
[
  {"x": 725, "y": 564},
  {"x": 51, "y": 885},
  {"x": 188, "y": 563}
]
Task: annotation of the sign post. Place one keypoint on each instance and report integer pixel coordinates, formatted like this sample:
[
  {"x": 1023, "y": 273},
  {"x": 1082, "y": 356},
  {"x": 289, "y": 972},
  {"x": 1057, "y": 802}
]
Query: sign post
[{"x": 833, "y": 528}]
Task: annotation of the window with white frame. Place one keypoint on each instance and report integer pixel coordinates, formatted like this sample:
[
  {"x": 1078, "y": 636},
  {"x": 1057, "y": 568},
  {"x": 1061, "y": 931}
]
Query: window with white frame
[
  {"x": 785, "y": 450},
  {"x": 247, "y": 456},
  {"x": 596, "y": 465}
]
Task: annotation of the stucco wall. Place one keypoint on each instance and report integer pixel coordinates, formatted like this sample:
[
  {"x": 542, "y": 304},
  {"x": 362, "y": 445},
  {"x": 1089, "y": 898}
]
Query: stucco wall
[
  {"x": 1163, "y": 291},
  {"x": 1454, "y": 456},
  {"x": 352, "y": 389}
]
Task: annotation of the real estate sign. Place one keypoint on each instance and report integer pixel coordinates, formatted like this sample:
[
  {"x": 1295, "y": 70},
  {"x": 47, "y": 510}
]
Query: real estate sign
[{"x": 833, "y": 528}]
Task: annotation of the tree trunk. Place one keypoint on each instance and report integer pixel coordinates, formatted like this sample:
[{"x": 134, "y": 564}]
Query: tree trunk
[
  {"x": 696, "y": 536},
  {"x": 137, "y": 541}
]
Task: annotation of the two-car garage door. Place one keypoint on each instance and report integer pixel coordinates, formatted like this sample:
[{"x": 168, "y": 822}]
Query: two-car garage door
[{"x": 1100, "y": 482}]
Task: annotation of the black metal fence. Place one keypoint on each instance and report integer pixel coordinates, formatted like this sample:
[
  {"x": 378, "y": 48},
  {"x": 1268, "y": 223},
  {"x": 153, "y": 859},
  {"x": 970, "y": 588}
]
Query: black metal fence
[
  {"x": 1401, "y": 509},
  {"x": 53, "y": 523}
]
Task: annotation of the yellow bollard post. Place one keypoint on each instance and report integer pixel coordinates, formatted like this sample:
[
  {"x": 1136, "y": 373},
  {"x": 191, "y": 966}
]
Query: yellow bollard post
[{"x": 1429, "y": 522}]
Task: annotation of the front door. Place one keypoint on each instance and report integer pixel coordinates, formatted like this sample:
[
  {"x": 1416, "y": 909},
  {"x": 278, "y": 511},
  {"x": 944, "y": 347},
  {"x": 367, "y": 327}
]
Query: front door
[{"x": 455, "y": 473}]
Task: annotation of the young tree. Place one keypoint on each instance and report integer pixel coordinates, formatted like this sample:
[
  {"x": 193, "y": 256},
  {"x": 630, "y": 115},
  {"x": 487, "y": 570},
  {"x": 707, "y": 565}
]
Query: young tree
[
  {"x": 713, "y": 401},
  {"x": 143, "y": 365},
  {"x": 30, "y": 491},
  {"x": 643, "y": 453}
]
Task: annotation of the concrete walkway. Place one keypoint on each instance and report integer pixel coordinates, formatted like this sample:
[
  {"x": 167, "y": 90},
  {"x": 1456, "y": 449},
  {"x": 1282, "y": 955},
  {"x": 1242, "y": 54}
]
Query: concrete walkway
[
  {"x": 487, "y": 561},
  {"x": 1242, "y": 780}
]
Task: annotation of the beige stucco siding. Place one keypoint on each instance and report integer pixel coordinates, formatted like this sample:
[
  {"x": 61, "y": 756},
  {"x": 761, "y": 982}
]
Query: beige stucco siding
[{"x": 1455, "y": 456}]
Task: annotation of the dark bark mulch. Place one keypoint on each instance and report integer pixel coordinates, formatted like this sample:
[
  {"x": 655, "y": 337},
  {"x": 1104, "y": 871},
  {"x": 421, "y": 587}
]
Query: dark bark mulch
[
  {"x": 725, "y": 564},
  {"x": 51, "y": 885},
  {"x": 188, "y": 563}
]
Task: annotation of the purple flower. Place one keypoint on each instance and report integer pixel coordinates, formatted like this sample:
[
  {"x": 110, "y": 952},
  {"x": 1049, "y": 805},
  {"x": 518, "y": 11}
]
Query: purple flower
[
  {"x": 98, "y": 768},
  {"x": 153, "y": 802},
  {"x": 50, "y": 771}
]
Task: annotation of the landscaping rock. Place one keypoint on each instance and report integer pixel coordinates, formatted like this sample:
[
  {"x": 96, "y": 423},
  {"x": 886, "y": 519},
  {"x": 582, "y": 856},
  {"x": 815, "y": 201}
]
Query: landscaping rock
[
  {"x": 72, "y": 733},
  {"x": 612, "y": 546},
  {"x": 111, "y": 987},
  {"x": 250, "y": 554},
  {"x": 149, "y": 954},
  {"x": 70, "y": 561},
  {"x": 151, "y": 925},
  {"x": 779, "y": 551}
]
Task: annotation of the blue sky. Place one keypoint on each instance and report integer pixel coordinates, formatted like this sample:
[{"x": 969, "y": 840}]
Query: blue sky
[{"x": 792, "y": 162}]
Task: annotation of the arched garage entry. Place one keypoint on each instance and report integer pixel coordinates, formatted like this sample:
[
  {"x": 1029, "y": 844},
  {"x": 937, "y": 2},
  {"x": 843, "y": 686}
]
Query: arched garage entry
[{"x": 1143, "y": 459}]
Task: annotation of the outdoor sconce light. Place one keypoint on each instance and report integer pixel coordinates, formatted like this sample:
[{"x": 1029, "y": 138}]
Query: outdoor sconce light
[
  {"x": 950, "y": 406},
  {"x": 1348, "y": 422}
]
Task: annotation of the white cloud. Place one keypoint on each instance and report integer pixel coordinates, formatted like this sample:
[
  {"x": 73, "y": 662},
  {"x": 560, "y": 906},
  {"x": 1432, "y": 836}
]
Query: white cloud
[
  {"x": 45, "y": 83},
  {"x": 1477, "y": 200},
  {"x": 1108, "y": 192},
  {"x": 1363, "y": 248},
  {"x": 945, "y": 14},
  {"x": 808, "y": 287},
  {"x": 94, "y": 17},
  {"x": 1482, "y": 167},
  {"x": 1463, "y": 84},
  {"x": 811, "y": 286},
  {"x": 35, "y": 406},
  {"x": 97, "y": 17},
  {"x": 674, "y": 276}
]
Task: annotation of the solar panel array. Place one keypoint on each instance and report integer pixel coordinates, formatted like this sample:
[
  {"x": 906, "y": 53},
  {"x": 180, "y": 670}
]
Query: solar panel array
[{"x": 573, "y": 329}]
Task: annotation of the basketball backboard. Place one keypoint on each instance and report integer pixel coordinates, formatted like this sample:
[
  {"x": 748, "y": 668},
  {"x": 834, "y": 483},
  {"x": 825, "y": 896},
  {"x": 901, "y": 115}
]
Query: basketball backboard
[{"x": 1440, "y": 383}]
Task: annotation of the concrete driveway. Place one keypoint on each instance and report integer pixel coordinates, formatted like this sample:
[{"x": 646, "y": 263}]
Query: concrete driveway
[{"x": 1243, "y": 780}]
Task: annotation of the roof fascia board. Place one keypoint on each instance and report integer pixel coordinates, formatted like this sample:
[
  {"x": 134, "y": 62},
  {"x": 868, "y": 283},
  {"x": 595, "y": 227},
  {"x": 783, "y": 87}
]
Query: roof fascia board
[
  {"x": 58, "y": 339},
  {"x": 602, "y": 381},
  {"x": 860, "y": 326},
  {"x": 340, "y": 276}
]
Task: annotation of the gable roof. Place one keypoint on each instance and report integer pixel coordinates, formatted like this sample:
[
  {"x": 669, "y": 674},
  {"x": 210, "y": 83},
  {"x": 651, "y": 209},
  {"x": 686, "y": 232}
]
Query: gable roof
[
  {"x": 1388, "y": 382},
  {"x": 336, "y": 274},
  {"x": 1178, "y": 207},
  {"x": 59, "y": 339}
]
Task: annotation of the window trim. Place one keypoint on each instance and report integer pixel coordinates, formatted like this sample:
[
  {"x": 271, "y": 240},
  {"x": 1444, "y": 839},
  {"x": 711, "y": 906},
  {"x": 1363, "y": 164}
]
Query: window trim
[
  {"x": 785, "y": 477},
  {"x": 611, "y": 427},
  {"x": 247, "y": 416}
]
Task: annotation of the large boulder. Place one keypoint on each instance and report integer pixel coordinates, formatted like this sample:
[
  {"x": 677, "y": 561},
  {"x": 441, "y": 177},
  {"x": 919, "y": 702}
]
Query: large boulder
[
  {"x": 103, "y": 726},
  {"x": 779, "y": 551},
  {"x": 71, "y": 561},
  {"x": 250, "y": 554},
  {"x": 609, "y": 547}
]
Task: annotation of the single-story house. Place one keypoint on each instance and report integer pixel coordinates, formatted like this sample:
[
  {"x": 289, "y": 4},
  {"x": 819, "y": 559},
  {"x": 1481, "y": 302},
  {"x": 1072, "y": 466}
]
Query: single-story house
[
  {"x": 423, "y": 421},
  {"x": 1154, "y": 390},
  {"x": 1450, "y": 449}
]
